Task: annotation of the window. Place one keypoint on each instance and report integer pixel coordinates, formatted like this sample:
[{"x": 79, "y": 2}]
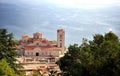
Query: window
[
  {"x": 42, "y": 53},
  {"x": 46, "y": 53},
  {"x": 60, "y": 44},
  {"x": 37, "y": 54},
  {"x": 60, "y": 36},
  {"x": 49, "y": 53},
  {"x": 31, "y": 53},
  {"x": 37, "y": 43}
]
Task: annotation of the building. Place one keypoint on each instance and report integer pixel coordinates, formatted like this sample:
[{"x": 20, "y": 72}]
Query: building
[{"x": 39, "y": 50}]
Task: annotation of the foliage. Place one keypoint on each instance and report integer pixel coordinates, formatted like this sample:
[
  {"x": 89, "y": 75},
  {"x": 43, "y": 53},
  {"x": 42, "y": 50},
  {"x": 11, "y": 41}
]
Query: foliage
[
  {"x": 5, "y": 69},
  {"x": 67, "y": 61},
  {"x": 99, "y": 57},
  {"x": 7, "y": 48}
]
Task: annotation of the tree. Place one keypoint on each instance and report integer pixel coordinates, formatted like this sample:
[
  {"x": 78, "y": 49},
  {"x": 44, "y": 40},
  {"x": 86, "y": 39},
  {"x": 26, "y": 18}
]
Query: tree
[
  {"x": 99, "y": 57},
  {"x": 111, "y": 37},
  {"x": 69, "y": 59},
  {"x": 98, "y": 39},
  {"x": 5, "y": 69},
  {"x": 7, "y": 48}
]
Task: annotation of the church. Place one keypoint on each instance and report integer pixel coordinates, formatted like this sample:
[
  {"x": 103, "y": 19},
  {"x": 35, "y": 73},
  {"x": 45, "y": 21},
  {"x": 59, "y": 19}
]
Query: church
[{"x": 38, "y": 49}]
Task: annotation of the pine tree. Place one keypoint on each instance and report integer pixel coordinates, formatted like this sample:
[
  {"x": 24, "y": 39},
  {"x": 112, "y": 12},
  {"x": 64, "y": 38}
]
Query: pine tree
[{"x": 7, "y": 48}]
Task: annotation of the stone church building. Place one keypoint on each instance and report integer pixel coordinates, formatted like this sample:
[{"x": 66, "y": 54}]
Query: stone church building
[{"x": 42, "y": 49}]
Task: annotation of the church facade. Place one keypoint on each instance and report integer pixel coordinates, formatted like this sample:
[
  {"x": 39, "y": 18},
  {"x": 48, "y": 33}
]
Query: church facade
[{"x": 39, "y": 48}]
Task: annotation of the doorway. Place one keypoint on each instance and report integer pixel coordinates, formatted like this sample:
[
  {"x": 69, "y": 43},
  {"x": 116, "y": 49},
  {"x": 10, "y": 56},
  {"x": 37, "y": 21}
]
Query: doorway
[{"x": 37, "y": 54}]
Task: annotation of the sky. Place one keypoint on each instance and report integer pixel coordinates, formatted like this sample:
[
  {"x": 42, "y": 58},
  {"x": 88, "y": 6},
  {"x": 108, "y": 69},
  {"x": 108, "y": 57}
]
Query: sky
[{"x": 79, "y": 18}]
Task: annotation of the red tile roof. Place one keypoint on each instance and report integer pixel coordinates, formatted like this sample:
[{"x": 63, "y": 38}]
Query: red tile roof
[{"x": 43, "y": 48}]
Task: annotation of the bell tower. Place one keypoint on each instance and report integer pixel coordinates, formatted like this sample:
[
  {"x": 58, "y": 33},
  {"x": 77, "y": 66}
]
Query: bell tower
[{"x": 61, "y": 39}]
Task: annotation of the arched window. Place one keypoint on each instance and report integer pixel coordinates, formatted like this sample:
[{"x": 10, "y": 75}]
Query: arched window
[
  {"x": 42, "y": 53},
  {"x": 28, "y": 53},
  {"x": 46, "y": 53},
  {"x": 49, "y": 53},
  {"x": 60, "y": 36},
  {"x": 60, "y": 44},
  {"x": 31, "y": 53},
  {"x": 37, "y": 43}
]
